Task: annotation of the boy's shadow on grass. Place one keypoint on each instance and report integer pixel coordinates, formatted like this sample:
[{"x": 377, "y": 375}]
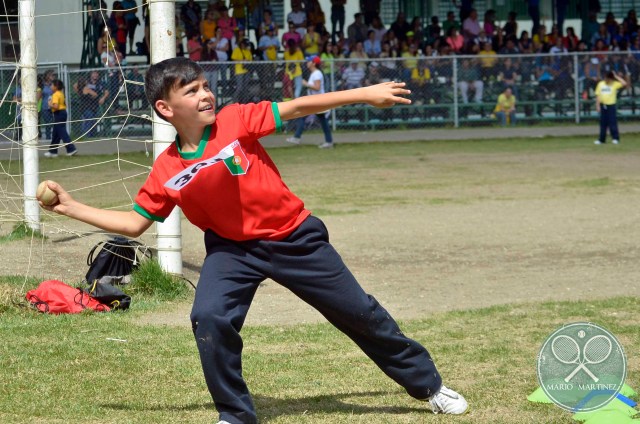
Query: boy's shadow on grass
[{"x": 271, "y": 408}]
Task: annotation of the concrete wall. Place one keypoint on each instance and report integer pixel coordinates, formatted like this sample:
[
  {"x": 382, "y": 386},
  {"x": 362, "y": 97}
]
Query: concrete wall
[{"x": 59, "y": 31}]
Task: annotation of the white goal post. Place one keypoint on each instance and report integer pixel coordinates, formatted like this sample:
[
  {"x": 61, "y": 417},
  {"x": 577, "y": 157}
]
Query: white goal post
[
  {"x": 28, "y": 75},
  {"x": 163, "y": 46}
]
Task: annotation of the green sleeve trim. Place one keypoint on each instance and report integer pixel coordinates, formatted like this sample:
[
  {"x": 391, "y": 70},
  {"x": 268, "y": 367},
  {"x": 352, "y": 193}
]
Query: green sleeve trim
[
  {"x": 276, "y": 116},
  {"x": 146, "y": 214}
]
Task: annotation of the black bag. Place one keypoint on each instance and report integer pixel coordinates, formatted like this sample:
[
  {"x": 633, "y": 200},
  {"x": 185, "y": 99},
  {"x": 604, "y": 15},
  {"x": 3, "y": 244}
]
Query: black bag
[
  {"x": 115, "y": 260},
  {"x": 109, "y": 295}
]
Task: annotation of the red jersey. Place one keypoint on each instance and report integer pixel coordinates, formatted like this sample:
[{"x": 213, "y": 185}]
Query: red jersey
[{"x": 229, "y": 185}]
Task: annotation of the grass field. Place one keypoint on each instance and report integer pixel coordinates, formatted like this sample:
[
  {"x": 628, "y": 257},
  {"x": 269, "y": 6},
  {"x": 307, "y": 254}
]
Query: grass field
[
  {"x": 483, "y": 248},
  {"x": 65, "y": 369}
]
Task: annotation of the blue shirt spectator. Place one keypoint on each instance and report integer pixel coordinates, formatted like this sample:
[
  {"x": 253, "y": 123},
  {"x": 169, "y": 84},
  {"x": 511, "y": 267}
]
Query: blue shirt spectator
[{"x": 372, "y": 47}]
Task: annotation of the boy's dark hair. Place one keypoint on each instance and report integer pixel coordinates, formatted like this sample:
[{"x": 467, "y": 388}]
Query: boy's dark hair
[
  {"x": 163, "y": 76},
  {"x": 59, "y": 84}
]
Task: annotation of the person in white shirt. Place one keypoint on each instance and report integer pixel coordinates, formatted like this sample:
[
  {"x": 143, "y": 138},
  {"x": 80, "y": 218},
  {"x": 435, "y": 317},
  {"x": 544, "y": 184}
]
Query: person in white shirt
[
  {"x": 559, "y": 47},
  {"x": 471, "y": 26},
  {"x": 298, "y": 17},
  {"x": 315, "y": 85}
]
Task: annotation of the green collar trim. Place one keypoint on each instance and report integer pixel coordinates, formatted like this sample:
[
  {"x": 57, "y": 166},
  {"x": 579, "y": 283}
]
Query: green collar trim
[{"x": 198, "y": 153}]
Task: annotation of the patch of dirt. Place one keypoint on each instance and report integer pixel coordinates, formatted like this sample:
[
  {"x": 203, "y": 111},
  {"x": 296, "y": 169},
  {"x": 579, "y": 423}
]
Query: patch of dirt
[{"x": 520, "y": 229}]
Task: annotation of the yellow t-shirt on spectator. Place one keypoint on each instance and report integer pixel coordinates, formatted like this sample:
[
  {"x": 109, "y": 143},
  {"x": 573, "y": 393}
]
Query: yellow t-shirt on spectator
[
  {"x": 239, "y": 54},
  {"x": 504, "y": 104},
  {"x": 293, "y": 69},
  {"x": 272, "y": 53},
  {"x": 410, "y": 61},
  {"x": 419, "y": 78},
  {"x": 208, "y": 29},
  {"x": 608, "y": 94},
  {"x": 326, "y": 59},
  {"x": 488, "y": 58},
  {"x": 311, "y": 43},
  {"x": 536, "y": 39},
  {"x": 58, "y": 98}
]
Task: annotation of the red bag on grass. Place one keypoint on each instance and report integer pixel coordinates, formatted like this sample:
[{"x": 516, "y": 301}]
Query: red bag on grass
[{"x": 56, "y": 297}]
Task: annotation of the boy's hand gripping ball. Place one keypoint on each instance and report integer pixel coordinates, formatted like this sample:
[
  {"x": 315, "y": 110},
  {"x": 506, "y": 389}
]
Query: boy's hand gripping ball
[{"x": 44, "y": 194}]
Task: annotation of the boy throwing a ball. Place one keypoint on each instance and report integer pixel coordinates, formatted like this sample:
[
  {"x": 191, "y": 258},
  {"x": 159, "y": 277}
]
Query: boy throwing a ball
[{"x": 256, "y": 228}]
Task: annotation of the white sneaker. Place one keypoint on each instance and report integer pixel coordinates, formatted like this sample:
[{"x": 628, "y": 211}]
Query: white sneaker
[
  {"x": 293, "y": 140},
  {"x": 72, "y": 153},
  {"x": 615, "y": 141},
  {"x": 447, "y": 401},
  {"x": 224, "y": 422},
  {"x": 50, "y": 155},
  {"x": 326, "y": 146},
  {"x": 598, "y": 142}
]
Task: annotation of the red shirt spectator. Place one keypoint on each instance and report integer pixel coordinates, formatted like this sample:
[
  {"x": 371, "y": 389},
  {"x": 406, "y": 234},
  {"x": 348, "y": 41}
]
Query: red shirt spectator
[
  {"x": 227, "y": 23},
  {"x": 194, "y": 47},
  {"x": 292, "y": 34},
  {"x": 455, "y": 40},
  {"x": 571, "y": 40}
]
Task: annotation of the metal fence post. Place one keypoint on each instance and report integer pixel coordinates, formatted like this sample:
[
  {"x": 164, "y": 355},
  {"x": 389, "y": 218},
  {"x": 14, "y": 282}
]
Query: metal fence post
[
  {"x": 67, "y": 96},
  {"x": 576, "y": 84},
  {"x": 454, "y": 78},
  {"x": 333, "y": 88}
]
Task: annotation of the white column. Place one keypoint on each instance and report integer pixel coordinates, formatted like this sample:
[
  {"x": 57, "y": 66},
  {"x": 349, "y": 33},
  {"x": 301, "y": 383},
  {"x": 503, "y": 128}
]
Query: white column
[
  {"x": 26, "y": 13},
  {"x": 163, "y": 46}
]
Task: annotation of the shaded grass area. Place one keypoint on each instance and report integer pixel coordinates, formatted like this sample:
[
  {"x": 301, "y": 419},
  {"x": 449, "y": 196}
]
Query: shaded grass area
[
  {"x": 21, "y": 231},
  {"x": 105, "y": 367}
]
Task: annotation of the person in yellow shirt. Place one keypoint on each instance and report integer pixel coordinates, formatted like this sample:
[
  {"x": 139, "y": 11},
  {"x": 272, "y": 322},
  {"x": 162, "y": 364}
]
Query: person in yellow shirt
[
  {"x": 208, "y": 25},
  {"x": 293, "y": 57},
  {"x": 59, "y": 108},
  {"x": 420, "y": 77},
  {"x": 606, "y": 98},
  {"x": 506, "y": 107},
  {"x": 488, "y": 60},
  {"x": 311, "y": 41},
  {"x": 242, "y": 53},
  {"x": 410, "y": 62}
]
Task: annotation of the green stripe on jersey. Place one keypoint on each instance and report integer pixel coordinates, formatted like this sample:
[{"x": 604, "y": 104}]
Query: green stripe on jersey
[
  {"x": 146, "y": 214},
  {"x": 276, "y": 116}
]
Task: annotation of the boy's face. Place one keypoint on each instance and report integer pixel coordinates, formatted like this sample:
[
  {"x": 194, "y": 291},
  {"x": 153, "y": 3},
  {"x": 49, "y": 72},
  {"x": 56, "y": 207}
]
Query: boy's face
[{"x": 193, "y": 103}]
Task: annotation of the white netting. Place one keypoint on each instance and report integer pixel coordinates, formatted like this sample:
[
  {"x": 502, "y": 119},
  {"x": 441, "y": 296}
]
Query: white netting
[{"x": 111, "y": 134}]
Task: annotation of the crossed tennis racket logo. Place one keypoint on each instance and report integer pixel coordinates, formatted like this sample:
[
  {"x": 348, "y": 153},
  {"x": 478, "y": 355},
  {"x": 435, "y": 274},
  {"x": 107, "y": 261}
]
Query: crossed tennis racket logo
[{"x": 595, "y": 351}]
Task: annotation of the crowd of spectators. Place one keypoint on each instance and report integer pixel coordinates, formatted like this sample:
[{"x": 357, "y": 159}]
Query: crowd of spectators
[
  {"x": 365, "y": 50},
  {"x": 401, "y": 49}
]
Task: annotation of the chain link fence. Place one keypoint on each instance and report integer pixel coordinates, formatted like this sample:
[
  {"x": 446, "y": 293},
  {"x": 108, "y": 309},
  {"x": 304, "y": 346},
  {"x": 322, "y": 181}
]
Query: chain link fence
[
  {"x": 11, "y": 95},
  {"x": 457, "y": 91}
]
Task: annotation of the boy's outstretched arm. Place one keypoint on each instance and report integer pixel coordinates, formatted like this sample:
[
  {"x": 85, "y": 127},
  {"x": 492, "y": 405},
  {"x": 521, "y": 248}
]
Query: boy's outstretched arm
[
  {"x": 127, "y": 223},
  {"x": 385, "y": 94}
]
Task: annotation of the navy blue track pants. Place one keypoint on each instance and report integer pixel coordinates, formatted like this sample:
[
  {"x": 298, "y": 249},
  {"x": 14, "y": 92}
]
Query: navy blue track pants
[
  {"x": 308, "y": 265},
  {"x": 608, "y": 119}
]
